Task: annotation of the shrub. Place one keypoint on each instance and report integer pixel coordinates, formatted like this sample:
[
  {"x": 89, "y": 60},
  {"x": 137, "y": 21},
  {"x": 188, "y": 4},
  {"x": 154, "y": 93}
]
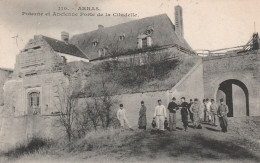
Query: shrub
[{"x": 33, "y": 145}]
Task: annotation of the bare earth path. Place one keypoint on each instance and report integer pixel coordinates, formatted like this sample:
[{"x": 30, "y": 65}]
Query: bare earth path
[
  {"x": 207, "y": 144},
  {"x": 240, "y": 144}
]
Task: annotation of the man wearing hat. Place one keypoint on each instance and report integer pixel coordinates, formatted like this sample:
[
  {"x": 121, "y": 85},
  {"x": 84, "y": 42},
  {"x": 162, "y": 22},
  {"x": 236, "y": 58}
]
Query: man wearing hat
[
  {"x": 142, "y": 117},
  {"x": 213, "y": 112},
  {"x": 222, "y": 114},
  {"x": 160, "y": 115},
  {"x": 172, "y": 107},
  {"x": 122, "y": 117},
  {"x": 195, "y": 109},
  {"x": 184, "y": 113}
]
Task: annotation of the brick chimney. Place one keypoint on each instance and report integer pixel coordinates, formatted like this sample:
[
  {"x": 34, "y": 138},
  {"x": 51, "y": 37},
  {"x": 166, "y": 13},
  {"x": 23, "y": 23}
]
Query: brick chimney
[
  {"x": 65, "y": 37},
  {"x": 179, "y": 23},
  {"x": 100, "y": 26}
]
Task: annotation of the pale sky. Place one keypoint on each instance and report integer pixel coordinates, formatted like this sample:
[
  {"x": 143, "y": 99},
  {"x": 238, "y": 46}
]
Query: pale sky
[{"x": 208, "y": 24}]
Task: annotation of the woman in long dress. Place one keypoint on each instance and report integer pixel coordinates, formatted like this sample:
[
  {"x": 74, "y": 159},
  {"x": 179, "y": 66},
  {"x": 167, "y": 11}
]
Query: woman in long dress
[{"x": 142, "y": 117}]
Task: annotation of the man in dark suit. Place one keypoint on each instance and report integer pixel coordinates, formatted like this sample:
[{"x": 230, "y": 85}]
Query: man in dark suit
[{"x": 172, "y": 107}]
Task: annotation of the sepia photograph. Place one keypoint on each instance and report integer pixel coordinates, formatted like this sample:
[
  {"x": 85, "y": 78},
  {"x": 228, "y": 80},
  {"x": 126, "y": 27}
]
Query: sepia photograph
[{"x": 144, "y": 81}]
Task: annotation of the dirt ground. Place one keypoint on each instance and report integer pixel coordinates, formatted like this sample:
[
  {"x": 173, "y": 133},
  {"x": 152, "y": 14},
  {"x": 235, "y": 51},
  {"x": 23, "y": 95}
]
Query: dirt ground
[{"x": 240, "y": 144}]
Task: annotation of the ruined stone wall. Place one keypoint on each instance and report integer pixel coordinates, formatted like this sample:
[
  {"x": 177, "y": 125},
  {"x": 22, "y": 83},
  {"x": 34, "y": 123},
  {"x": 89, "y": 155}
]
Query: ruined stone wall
[
  {"x": 4, "y": 75},
  {"x": 36, "y": 58},
  {"x": 15, "y": 130},
  {"x": 191, "y": 85},
  {"x": 16, "y": 124},
  {"x": 243, "y": 67},
  {"x": 16, "y": 93}
]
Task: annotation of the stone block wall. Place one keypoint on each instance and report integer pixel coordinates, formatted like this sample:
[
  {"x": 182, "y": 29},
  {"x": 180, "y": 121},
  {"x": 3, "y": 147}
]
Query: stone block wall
[
  {"x": 16, "y": 93},
  {"x": 15, "y": 130},
  {"x": 191, "y": 86},
  {"x": 36, "y": 58},
  {"x": 4, "y": 75},
  {"x": 243, "y": 67}
]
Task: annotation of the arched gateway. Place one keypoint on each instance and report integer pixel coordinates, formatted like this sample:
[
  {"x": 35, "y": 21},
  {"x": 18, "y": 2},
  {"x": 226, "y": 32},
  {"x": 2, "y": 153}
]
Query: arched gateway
[{"x": 236, "y": 96}]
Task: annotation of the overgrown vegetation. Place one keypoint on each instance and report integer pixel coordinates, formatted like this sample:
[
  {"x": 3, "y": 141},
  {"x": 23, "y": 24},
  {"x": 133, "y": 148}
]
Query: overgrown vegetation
[
  {"x": 206, "y": 145},
  {"x": 87, "y": 102},
  {"x": 33, "y": 145},
  {"x": 152, "y": 76}
]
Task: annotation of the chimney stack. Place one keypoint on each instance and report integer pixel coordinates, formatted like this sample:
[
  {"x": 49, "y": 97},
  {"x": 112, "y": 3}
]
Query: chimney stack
[
  {"x": 65, "y": 37},
  {"x": 100, "y": 26},
  {"x": 179, "y": 23}
]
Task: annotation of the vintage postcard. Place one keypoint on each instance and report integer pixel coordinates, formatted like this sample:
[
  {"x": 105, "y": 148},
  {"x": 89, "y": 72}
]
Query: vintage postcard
[{"x": 129, "y": 81}]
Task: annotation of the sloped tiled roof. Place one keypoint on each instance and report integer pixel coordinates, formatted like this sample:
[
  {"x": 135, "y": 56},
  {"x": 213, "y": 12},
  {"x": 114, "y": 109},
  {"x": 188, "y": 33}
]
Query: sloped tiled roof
[
  {"x": 66, "y": 48},
  {"x": 163, "y": 35},
  {"x": 6, "y": 69}
]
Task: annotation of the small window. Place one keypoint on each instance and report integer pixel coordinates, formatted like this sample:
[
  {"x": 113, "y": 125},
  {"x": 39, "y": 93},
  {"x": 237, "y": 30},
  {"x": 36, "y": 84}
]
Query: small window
[
  {"x": 101, "y": 52},
  {"x": 149, "y": 41},
  {"x": 149, "y": 30},
  {"x": 140, "y": 43},
  {"x": 144, "y": 42},
  {"x": 122, "y": 37},
  {"x": 95, "y": 43},
  {"x": 63, "y": 58}
]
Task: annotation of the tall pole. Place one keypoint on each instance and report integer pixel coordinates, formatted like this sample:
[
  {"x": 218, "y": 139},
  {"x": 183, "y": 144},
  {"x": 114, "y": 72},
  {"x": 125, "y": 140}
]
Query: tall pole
[
  {"x": 254, "y": 27},
  {"x": 16, "y": 37}
]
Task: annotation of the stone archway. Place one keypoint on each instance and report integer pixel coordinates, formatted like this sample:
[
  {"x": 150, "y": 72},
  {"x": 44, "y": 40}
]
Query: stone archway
[{"x": 236, "y": 96}]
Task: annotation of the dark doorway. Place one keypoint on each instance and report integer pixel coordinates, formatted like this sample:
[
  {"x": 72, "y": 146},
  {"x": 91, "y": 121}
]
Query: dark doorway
[
  {"x": 235, "y": 94},
  {"x": 34, "y": 103}
]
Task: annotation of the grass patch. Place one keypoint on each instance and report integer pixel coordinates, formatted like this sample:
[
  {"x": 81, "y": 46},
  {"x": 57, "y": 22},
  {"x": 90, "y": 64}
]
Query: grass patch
[
  {"x": 155, "y": 76},
  {"x": 32, "y": 146},
  {"x": 101, "y": 140}
]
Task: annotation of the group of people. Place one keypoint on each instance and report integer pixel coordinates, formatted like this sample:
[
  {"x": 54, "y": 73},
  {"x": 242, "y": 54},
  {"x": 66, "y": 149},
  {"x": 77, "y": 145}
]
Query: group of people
[{"x": 196, "y": 111}]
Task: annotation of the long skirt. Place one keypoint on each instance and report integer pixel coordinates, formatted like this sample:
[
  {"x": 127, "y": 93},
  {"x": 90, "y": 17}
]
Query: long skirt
[{"x": 142, "y": 121}]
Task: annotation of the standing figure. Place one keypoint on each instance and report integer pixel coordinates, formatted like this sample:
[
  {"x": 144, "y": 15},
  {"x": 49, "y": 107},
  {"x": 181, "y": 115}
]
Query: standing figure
[
  {"x": 191, "y": 115},
  {"x": 172, "y": 107},
  {"x": 121, "y": 116},
  {"x": 205, "y": 110},
  {"x": 160, "y": 115},
  {"x": 214, "y": 112},
  {"x": 208, "y": 104},
  {"x": 222, "y": 114},
  {"x": 196, "y": 111},
  {"x": 184, "y": 113},
  {"x": 142, "y": 117}
]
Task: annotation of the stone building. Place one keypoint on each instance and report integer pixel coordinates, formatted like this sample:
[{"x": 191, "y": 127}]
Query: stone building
[
  {"x": 40, "y": 65},
  {"x": 133, "y": 41},
  {"x": 44, "y": 62},
  {"x": 38, "y": 68}
]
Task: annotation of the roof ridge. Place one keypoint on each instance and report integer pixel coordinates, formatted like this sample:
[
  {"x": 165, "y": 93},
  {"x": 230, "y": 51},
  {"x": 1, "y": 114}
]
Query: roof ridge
[
  {"x": 136, "y": 20},
  {"x": 64, "y": 47},
  {"x": 7, "y": 69}
]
